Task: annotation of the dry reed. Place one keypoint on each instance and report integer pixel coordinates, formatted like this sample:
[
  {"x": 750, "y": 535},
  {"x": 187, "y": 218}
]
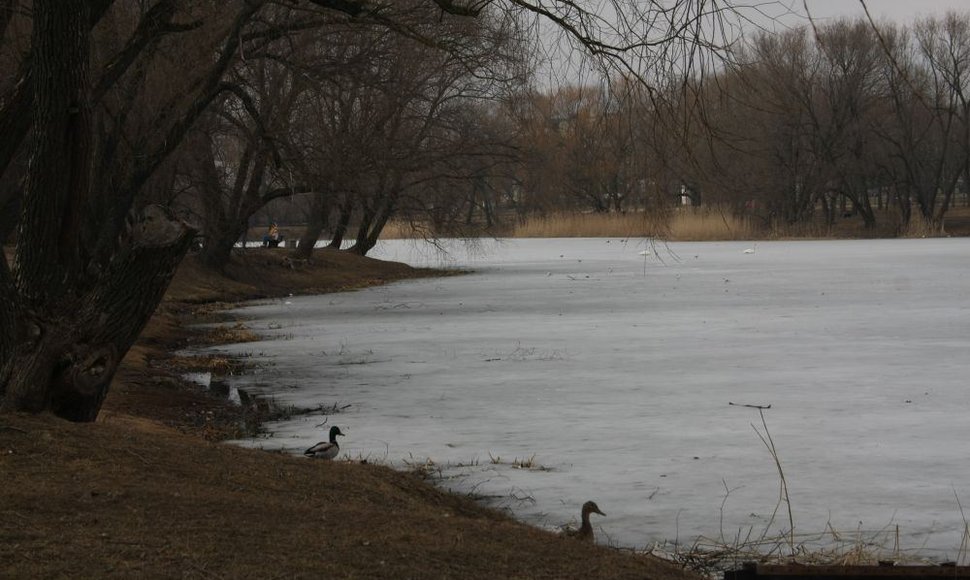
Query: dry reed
[
  {"x": 709, "y": 556},
  {"x": 920, "y": 227},
  {"x": 402, "y": 230},
  {"x": 681, "y": 224},
  {"x": 710, "y": 224},
  {"x": 830, "y": 547},
  {"x": 589, "y": 225},
  {"x": 231, "y": 334}
]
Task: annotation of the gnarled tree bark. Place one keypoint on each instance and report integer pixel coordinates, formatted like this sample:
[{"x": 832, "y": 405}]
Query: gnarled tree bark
[
  {"x": 66, "y": 322},
  {"x": 62, "y": 357}
]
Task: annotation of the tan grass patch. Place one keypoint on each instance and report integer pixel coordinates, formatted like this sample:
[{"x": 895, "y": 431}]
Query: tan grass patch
[
  {"x": 118, "y": 500},
  {"x": 219, "y": 365},
  {"x": 707, "y": 223},
  {"x": 811, "y": 230},
  {"x": 920, "y": 227},
  {"x": 400, "y": 230},
  {"x": 231, "y": 334},
  {"x": 689, "y": 224},
  {"x": 681, "y": 224},
  {"x": 589, "y": 225}
]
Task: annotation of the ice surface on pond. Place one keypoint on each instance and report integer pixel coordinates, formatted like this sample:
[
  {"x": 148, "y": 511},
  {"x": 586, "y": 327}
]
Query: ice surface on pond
[{"x": 615, "y": 370}]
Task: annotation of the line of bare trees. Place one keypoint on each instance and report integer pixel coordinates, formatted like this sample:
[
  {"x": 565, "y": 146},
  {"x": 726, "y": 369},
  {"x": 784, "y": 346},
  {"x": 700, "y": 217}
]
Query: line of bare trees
[
  {"x": 811, "y": 125},
  {"x": 360, "y": 121},
  {"x": 131, "y": 131},
  {"x": 847, "y": 119},
  {"x": 130, "y": 127}
]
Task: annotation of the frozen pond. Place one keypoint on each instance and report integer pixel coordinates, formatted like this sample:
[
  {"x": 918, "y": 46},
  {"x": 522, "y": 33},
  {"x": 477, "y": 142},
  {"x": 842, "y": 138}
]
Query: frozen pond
[{"x": 614, "y": 371}]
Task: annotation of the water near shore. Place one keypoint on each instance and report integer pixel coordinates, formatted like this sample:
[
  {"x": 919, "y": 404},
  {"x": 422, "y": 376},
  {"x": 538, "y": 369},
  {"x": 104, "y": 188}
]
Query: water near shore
[{"x": 567, "y": 370}]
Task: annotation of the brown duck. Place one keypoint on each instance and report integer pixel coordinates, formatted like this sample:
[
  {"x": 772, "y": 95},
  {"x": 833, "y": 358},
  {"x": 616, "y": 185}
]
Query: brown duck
[{"x": 585, "y": 531}]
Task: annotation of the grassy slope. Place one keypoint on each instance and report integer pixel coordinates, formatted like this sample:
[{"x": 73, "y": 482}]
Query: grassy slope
[{"x": 141, "y": 493}]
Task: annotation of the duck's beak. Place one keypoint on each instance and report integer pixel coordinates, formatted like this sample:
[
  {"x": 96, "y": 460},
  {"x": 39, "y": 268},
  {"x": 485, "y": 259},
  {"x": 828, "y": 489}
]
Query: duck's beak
[{"x": 600, "y": 513}]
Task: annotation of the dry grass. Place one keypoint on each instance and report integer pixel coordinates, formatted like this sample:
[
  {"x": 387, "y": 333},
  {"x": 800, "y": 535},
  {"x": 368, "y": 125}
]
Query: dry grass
[
  {"x": 142, "y": 493},
  {"x": 219, "y": 365},
  {"x": 529, "y": 463},
  {"x": 830, "y": 547},
  {"x": 681, "y": 224},
  {"x": 234, "y": 333},
  {"x": 706, "y": 223},
  {"x": 259, "y": 273},
  {"x": 401, "y": 230},
  {"x": 127, "y": 498},
  {"x": 703, "y": 224},
  {"x": 588, "y": 225},
  {"x": 920, "y": 227}
]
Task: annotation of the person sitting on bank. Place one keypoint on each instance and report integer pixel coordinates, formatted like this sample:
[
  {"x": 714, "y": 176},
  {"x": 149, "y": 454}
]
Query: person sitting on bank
[{"x": 272, "y": 238}]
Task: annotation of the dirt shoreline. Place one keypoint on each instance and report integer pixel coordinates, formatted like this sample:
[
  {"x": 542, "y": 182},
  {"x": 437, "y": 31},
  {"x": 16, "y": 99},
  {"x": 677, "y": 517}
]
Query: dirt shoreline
[{"x": 148, "y": 491}]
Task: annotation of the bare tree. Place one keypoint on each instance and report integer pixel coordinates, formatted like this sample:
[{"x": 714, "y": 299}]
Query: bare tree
[
  {"x": 239, "y": 164},
  {"x": 380, "y": 136},
  {"x": 945, "y": 48},
  {"x": 93, "y": 258}
]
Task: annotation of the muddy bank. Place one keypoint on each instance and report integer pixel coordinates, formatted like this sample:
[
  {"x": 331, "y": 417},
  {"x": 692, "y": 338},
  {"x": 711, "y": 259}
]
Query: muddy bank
[{"x": 147, "y": 491}]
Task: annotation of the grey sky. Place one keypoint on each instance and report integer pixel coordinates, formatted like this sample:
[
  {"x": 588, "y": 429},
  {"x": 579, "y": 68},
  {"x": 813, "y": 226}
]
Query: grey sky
[
  {"x": 901, "y": 11},
  {"x": 565, "y": 65}
]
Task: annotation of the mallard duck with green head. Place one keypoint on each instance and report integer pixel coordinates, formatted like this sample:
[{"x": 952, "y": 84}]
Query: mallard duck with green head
[{"x": 325, "y": 449}]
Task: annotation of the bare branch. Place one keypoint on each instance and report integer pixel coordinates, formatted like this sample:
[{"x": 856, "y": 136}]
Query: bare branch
[{"x": 152, "y": 26}]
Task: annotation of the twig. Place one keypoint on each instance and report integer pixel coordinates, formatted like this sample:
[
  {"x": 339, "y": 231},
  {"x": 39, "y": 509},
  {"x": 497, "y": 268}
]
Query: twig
[
  {"x": 965, "y": 540},
  {"x": 727, "y": 493},
  {"x": 9, "y": 428},
  {"x": 759, "y": 407},
  {"x": 770, "y": 444}
]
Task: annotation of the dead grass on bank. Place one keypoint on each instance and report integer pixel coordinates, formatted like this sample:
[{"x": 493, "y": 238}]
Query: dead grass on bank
[
  {"x": 127, "y": 497},
  {"x": 708, "y": 223},
  {"x": 149, "y": 382},
  {"x": 681, "y": 224},
  {"x": 259, "y": 273},
  {"x": 146, "y": 492}
]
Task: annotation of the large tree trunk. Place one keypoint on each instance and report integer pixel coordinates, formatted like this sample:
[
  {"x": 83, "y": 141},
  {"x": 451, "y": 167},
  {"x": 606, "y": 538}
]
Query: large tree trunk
[
  {"x": 66, "y": 353},
  {"x": 219, "y": 242},
  {"x": 66, "y": 322},
  {"x": 363, "y": 228},
  {"x": 343, "y": 222},
  {"x": 367, "y": 238},
  {"x": 15, "y": 118},
  {"x": 59, "y": 177},
  {"x": 9, "y": 330},
  {"x": 318, "y": 220},
  {"x": 9, "y": 216}
]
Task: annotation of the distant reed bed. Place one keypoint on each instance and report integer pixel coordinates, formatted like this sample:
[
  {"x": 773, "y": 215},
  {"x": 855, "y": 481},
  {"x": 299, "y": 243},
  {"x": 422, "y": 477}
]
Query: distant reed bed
[
  {"x": 587, "y": 225},
  {"x": 710, "y": 224},
  {"x": 681, "y": 224},
  {"x": 399, "y": 229}
]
